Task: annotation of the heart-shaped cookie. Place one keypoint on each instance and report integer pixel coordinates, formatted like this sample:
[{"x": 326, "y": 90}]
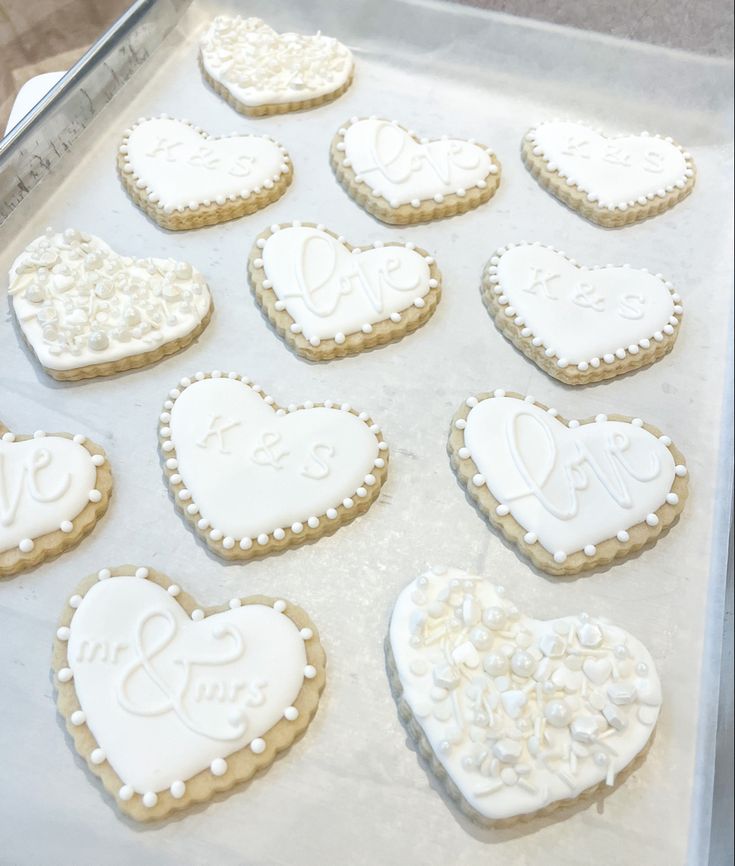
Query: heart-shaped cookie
[
  {"x": 611, "y": 180},
  {"x": 580, "y": 324},
  {"x": 401, "y": 178},
  {"x": 54, "y": 487},
  {"x": 329, "y": 299},
  {"x": 253, "y": 478},
  {"x": 170, "y": 703},
  {"x": 509, "y": 711},
  {"x": 572, "y": 495},
  {"x": 185, "y": 178},
  {"x": 259, "y": 71},
  {"x": 86, "y": 311}
]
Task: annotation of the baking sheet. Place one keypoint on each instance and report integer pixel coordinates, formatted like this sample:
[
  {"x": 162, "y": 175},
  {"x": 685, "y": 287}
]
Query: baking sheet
[{"x": 351, "y": 791}]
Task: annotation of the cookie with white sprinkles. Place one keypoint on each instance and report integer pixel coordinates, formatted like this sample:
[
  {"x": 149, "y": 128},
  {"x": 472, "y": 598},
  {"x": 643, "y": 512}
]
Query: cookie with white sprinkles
[{"x": 517, "y": 716}]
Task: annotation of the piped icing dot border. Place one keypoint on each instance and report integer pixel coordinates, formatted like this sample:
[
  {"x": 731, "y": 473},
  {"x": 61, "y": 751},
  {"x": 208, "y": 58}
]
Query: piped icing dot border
[
  {"x": 393, "y": 212},
  {"x": 647, "y": 348},
  {"x": 311, "y": 526},
  {"x": 205, "y": 211},
  {"x": 627, "y": 540},
  {"x": 224, "y": 772},
  {"x": 613, "y": 212},
  {"x": 72, "y": 527},
  {"x": 370, "y": 334}
]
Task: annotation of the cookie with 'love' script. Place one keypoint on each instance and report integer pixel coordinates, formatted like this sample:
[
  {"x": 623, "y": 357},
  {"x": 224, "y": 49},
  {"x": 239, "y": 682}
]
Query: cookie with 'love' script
[
  {"x": 252, "y": 477},
  {"x": 612, "y": 180},
  {"x": 571, "y": 495},
  {"x": 54, "y": 487},
  {"x": 401, "y": 178},
  {"x": 327, "y": 298},
  {"x": 580, "y": 324},
  {"x": 170, "y": 703},
  {"x": 185, "y": 178},
  {"x": 516, "y": 716}
]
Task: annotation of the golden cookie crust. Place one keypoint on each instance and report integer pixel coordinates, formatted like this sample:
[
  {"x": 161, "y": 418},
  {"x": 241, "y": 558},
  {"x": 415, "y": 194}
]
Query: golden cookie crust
[
  {"x": 241, "y": 765},
  {"x": 640, "y": 536},
  {"x": 382, "y": 332}
]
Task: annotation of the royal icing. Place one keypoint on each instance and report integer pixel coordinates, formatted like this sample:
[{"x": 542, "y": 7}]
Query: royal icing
[
  {"x": 45, "y": 482},
  {"x": 248, "y": 471},
  {"x": 519, "y": 712},
  {"x": 330, "y": 292},
  {"x": 569, "y": 486},
  {"x": 405, "y": 170},
  {"x": 180, "y": 167},
  {"x": 79, "y": 303},
  {"x": 259, "y": 66},
  {"x": 167, "y": 695},
  {"x": 581, "y": 316},
  {"x": 616, "y": 172}
]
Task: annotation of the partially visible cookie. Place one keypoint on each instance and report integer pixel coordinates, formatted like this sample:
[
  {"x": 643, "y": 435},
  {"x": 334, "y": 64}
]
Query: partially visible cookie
[
  {"x": 54, "y": 487},
  {"x": 170, "y": 703},
  {"x": 612, "y": 180},
  {"x": 184, "y": 178},
  {"x": 571, "y": 495},
  {"x": 580, "y": 324},
  {"x": 516, "y": 716},
  {"x": 87, "y": 311},
  {"x": 401, "y": 178},
  {"x": 327, "y": 298},
  {"x": 254, "y": 478},
  {"x": 259, "y": 71}
]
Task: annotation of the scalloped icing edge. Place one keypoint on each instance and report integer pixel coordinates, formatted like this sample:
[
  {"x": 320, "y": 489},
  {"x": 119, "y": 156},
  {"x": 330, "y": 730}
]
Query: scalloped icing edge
[
  {"x": 639, "y": 536},
  {"x": 53, "y": 544},
  {"x": 407, "y": 214},
  {"x": 431, "y": 764},
  {"x": 241, "y": 765},
  {"x": 233, "y": 549},
  {"x": 624, "y": 360},
  {"x": 270, "y": 108},
  {"x": 204, "y": 214},
  {"x": 380, "y": 333},
  {"x": 577, "y": 199}
]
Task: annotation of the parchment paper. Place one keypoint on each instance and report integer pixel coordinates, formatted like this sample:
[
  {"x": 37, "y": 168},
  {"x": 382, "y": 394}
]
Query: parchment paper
[{"x": 352, "y": 792}]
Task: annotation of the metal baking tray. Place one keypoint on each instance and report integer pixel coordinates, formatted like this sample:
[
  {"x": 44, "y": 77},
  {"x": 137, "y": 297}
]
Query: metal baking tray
[{"x": 352, "y": 791}]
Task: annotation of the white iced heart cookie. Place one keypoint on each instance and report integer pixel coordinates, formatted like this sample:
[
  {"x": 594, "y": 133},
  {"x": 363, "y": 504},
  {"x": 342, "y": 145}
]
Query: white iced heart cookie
[
  {"x": 580, "y": 324},
  {"x": 259, "y": 71},
  {"x": 53, "y": 490},
  {"x": 572, "y": 495},
  {"x": 86, "y": 311},
  {"x": 611, "y": 180},
  {"x": 516, "y": 714},
  {"x": 168, "y": 702},
  {"x": 253, "y": 478},
  {"x": 401, "y": 178},
  {"x": 184, "y": 178},
  {"x": 328, "y": 299}
]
